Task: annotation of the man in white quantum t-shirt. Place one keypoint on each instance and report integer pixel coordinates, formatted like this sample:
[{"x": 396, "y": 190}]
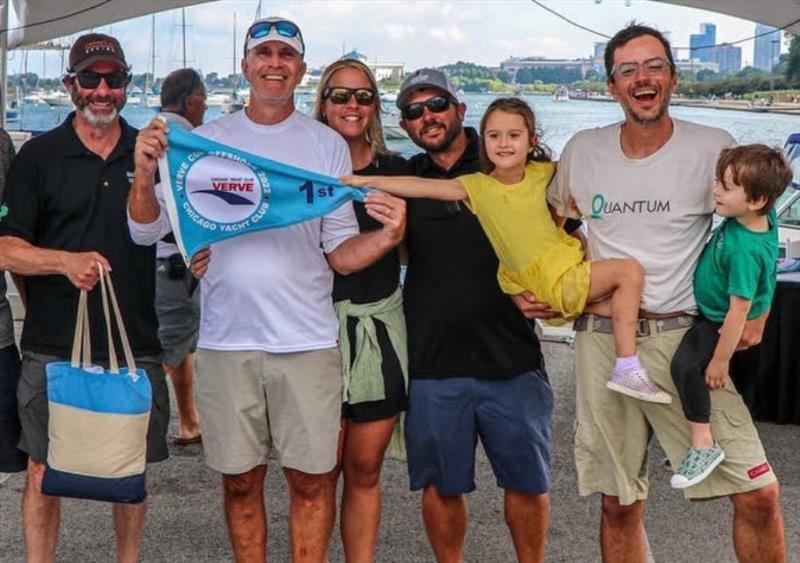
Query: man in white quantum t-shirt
[
  {"x": 268, "y": 368},
  {"x": 644, "y": 187}
]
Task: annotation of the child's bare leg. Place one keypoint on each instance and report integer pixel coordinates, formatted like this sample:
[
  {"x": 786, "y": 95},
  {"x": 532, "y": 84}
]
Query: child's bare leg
[
  {"x": 623, "y": 280},
  {"x": 702, "y": 438},
  {"x": 601, "y": 308}
]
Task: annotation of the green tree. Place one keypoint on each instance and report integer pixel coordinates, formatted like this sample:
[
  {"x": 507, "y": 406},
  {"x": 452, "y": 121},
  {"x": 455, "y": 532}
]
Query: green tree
[{"x": 793, "y": 60}]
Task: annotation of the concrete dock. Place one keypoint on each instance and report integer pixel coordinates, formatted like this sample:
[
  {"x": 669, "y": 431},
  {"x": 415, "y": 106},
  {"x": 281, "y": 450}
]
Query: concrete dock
[{"x": 185, "y": 521}]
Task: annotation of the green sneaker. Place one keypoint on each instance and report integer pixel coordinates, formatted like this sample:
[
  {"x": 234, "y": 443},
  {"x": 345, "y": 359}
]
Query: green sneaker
[{"x": 696, "y": 466}]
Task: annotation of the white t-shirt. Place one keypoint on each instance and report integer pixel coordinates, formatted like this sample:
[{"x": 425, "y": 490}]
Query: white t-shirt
[
  {"x": 655, "y": 209},
  {"x": 271, "y": 290}
]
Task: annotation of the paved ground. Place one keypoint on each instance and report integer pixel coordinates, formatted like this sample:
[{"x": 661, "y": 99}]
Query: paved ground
[{"x": 185, "y": 522}]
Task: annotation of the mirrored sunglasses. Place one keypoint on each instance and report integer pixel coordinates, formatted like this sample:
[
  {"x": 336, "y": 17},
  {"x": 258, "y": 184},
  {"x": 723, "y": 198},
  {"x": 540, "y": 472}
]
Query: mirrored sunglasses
[
  {"x": 282, "y": 28},
  {"x": 342, "y": 95}
]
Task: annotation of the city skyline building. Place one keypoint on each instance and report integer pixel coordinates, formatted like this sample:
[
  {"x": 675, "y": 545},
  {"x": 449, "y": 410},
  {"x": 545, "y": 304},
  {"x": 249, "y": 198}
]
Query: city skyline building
[
  {"x": 728, "y": 57},
  {"x": 767, "y": 48},
  {"x": 700, "y": 43}
]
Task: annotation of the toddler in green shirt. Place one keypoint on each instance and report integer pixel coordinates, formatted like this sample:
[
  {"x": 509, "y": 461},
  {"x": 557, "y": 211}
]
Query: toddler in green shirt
[{"x": 734, "y": 281}]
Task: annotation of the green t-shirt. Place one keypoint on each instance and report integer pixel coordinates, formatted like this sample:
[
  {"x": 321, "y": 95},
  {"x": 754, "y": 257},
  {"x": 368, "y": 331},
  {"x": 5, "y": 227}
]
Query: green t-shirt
[{"x": 737, "y": 261}]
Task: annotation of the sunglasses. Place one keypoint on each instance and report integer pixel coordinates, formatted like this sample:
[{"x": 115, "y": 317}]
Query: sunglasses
[
  {"x": 342, "y": 95},
  {"x": 652, "y": 67},
  {"x": 436, "y": 104},
  {"x": 282, "y": 28},
  {"x": 91, "y": 80}
]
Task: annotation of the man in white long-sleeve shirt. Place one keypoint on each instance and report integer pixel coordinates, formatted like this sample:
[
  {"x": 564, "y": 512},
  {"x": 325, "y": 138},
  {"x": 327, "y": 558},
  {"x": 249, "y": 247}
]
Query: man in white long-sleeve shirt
[{"x": 267, "y": 365}]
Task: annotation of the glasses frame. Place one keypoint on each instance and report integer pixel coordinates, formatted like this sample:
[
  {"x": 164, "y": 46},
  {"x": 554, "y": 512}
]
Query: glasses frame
[
  {"x": 634, "y": 67},
  {"x": 429, "y": 103},
  {"x": 327, "y": 94},
  {"x": 100, "y": 76}
]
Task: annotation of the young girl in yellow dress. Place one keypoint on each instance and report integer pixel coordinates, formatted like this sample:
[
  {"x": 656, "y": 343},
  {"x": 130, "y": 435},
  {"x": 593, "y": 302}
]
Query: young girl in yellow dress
[{"x": 536, "y": 255}]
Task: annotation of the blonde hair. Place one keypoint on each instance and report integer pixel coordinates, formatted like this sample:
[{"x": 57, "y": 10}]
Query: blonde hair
[{"x": 374, "y": 129}]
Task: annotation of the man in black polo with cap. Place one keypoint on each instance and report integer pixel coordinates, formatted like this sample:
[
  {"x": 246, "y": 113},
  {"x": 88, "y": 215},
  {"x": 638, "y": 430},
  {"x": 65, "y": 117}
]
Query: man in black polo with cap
[
  {"x": 475, "y": 363},
  {"x": 66, "y": 212}
]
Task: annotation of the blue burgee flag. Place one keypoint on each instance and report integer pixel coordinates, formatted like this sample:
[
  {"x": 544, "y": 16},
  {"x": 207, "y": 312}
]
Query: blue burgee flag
[{"x": 214, "y": 192}]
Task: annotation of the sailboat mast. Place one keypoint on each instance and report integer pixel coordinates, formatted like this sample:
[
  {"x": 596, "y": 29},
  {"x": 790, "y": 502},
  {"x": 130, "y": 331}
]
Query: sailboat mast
[
  {"x": 183, "y": 34},
  {"x": 150, "y": 78},
  {"x": 233, "y": 76}
]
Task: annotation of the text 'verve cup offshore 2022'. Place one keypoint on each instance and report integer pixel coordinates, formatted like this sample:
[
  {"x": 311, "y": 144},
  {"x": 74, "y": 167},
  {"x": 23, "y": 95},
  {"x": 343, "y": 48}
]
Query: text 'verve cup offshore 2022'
[{"x": 215, "y": 192}]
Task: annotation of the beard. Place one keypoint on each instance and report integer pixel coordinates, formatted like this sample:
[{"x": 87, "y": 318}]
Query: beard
[
  {"x": 646, "y": 121},
  {"x": 452, "y": 131},
  {"x": 101, "y": 120}
]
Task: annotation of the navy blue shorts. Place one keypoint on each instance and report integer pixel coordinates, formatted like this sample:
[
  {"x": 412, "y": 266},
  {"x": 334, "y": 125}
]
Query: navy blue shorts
[
  {"x": 12, "y": 459},
  {"x": 511, "y": 416}
]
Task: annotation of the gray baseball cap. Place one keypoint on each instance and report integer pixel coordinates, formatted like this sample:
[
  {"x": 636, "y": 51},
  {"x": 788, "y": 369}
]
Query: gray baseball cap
[{"x": 424, "y": 78}]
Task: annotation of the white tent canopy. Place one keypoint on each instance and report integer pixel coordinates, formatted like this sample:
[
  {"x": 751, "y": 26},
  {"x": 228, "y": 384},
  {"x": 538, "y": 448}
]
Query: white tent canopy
[
  {"x": 777, "y": 13},
  {"x": 40, "y": 20}
]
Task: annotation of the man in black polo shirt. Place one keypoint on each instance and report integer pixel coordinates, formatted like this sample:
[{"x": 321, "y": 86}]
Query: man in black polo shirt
[
  {"x": 65, "y": 204},
  {"x": 475, "y": 363}
]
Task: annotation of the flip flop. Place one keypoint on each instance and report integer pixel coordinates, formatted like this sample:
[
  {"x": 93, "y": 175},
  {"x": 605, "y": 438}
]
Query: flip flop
[{"x": 178, "y": 441}]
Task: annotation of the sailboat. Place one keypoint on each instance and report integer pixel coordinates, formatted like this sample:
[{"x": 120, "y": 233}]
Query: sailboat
[{"x": 234, "y": 104}]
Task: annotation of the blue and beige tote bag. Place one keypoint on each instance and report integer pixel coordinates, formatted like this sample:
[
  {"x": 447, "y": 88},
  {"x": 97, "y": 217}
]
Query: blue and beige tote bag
[{"x": 98, "y": 418}]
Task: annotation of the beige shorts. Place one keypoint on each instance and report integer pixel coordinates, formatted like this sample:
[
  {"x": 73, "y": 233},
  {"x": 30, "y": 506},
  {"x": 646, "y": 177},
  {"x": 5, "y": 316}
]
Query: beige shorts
[
  {"x": 251, "y": 401},
  {"x": 612, "y": 431}
]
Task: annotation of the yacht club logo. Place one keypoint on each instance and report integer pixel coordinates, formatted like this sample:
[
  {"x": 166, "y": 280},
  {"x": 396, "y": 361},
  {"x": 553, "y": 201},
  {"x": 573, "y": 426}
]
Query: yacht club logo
[{"x": 221, "y": 191}]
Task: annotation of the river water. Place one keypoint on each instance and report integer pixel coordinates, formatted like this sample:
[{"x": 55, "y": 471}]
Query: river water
[{"x": 559, "y": 120}]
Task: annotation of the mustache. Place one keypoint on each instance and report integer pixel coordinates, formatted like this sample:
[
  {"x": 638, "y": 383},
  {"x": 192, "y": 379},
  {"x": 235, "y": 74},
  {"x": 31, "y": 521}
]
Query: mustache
[{"x": 429, "y": 127}]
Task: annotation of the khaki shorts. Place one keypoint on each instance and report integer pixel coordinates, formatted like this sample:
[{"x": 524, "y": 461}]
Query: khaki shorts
[
  {"x": 612, "y": 431},
  {"x": 250, "y": 401}
]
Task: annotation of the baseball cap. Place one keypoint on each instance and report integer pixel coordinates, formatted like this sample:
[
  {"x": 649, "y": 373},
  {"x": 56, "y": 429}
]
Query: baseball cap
[
  {"x": 95, "y": 47},
  {"x": 424, "y": 78},
  {"x": 275, "y": 29}
]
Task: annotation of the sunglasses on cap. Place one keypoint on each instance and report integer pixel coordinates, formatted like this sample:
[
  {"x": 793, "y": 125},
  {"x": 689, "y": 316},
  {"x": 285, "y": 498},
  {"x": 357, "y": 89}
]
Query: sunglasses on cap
[
  {"x": 436, "y": 104},
  {"x": 342, "y": 95},
  {"x": 282, "y": 27},
  {"x": 90, "y": 80}
]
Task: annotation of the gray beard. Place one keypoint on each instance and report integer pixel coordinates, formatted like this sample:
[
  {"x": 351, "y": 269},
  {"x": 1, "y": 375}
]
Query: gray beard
[{"x": 102, "y": 121}]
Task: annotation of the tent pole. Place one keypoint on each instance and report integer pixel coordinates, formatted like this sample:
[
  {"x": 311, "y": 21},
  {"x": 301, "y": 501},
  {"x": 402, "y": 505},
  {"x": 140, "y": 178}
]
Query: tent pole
[{"x": 3, "y": 59}]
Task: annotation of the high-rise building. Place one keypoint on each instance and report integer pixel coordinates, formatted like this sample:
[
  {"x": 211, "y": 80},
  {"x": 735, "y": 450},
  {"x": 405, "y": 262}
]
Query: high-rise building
[
  {"x": 599, "y": 49},
  {"x": 767, "y": 47},
  {"x": 700, "y": 44},
  {"x": 728, "y": 57}
]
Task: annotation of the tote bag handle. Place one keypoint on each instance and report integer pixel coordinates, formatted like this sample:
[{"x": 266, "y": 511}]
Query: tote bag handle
[{"x": 81, "y": 344}]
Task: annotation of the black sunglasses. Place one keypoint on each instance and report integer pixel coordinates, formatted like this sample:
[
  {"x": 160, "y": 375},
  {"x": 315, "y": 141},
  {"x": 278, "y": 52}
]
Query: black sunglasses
[
  {"x": 342, "y": 95},
  {"x": 90, "y": 80},
  {"x": 436, "y": 104}
]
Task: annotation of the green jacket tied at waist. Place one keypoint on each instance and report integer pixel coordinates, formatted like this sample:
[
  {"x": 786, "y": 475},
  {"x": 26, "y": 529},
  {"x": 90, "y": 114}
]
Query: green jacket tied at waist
[{"x": 363, "y": 380}]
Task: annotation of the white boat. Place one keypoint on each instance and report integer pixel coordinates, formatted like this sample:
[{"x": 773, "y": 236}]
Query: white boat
[
  {"x": 217, "y": 99},
  {"x": 57, "y": 98},
  {"x": 388, "y": 97},
  {"x": 561, "y": 94}
]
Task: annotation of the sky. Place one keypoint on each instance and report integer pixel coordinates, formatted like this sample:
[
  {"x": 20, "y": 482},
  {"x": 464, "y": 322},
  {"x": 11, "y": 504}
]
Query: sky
[{"x": 415, "y": 32}]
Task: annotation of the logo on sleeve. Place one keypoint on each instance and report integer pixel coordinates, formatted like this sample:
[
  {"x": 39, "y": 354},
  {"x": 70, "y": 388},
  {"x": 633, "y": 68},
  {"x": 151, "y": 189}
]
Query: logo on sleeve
[
  {"x": 3, "y": 211},
  {"x": 758, "y": 470}
]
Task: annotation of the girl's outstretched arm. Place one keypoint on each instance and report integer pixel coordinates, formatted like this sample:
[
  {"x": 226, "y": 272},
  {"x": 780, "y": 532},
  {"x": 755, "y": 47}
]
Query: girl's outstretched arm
[{"x": 410, "y": 186}]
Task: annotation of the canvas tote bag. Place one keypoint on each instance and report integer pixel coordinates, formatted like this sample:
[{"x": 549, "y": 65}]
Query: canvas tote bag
[{"x": 98, "y": 418}]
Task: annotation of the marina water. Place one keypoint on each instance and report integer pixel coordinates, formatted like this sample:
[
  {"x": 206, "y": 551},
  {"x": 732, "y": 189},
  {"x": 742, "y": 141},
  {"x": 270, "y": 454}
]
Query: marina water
[{"x": 558, "y": 120}]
